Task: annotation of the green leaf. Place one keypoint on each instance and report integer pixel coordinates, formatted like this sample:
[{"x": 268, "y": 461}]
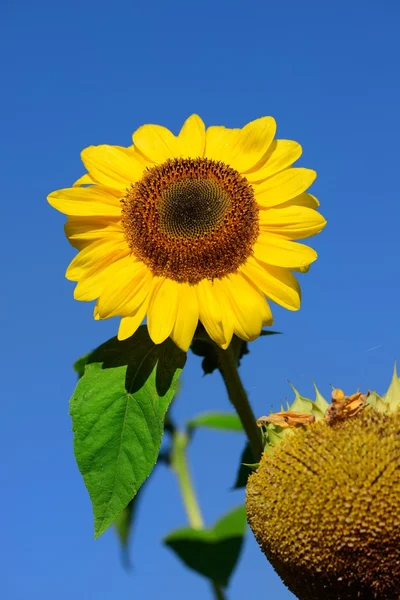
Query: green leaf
[
  {"x": 265, "y": 332},
  {"x": 212, "y": 552},
  {"x": 124, "y": 521},
  {"x": 208, "y": 350},
  {"x": 220, "y": 420},
  {"x": 203, "y": 346},
  {"x": 118, "y": 411},
  {"x": 123, "y": 525},
  {"x": 79, "y": 365},
  {"x": 244, "y": 471}
]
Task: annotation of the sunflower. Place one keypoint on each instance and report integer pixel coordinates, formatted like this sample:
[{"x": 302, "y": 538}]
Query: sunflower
[{"x": 199, "y": 226}]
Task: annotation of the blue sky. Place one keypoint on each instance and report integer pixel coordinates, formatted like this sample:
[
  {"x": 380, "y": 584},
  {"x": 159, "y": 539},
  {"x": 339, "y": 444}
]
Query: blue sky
[{"x": 76, "y": 74}]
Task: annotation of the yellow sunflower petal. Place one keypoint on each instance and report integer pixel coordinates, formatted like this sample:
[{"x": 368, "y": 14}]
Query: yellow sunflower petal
[
  {"x": 156, "y": 142},
  {"x": 163, "y": 308},
  {"x": 81, "y": 231},
  {"x": 302, "y": 269},
  {"x": 249, "y": 306},
  {"x": 106, "y": 268},
  {"x": 96, "y": 315},
  {"x": 129, "y": 325},
  {"x": 144, "y": 161},
  {"x": 93, "y": 282},
  {"x": 84, "y": 180},
  {"x": 305, "y": 199},
  {"x": 113, "y": 166},
  {"x": 211, "y": 312},
  {"x": 278, "y": 284},
  {"x": 228, "y": 318},
  {"x": 218, "y": 139},
  {"x": 126, "y": 290},
  {"x": 187, "y": 317},
  {"x": 85, "y": 202},
  {"x": 192, "y": 137},
  {"x": 294, "y": 222},
  {"x": 242, "y": 148},
  {"x": 281, "y": 154},
  {"x": 99, "y": 251},
  {"x": 283, "y": 186},
  {"x": 280, "y": 252}
]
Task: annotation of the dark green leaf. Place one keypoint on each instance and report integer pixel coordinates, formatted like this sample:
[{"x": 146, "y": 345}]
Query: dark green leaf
[
  {"x": 244, "y": 471},
  {"x": 203, "y": 346},
  {"x": 220, "y": 420},
  {"x": 208, "y": 351},
  {"x": 212, "y": 552},
  {"x": 79, "y": 365},
  {"x": 118, "y": 411},
  {"x": 123, "y": 525},
  {"x": 125, "y": 520},
  {"x": 265, "y": 332}
]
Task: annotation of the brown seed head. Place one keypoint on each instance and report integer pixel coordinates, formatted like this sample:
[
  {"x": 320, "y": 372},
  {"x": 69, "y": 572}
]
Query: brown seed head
[
  {"x": 324, "y": 506},
  {"x": 191, "y": 219}
]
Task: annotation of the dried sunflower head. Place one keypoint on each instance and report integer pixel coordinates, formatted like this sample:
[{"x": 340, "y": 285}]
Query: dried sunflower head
[{"x": 324, "y": 504}]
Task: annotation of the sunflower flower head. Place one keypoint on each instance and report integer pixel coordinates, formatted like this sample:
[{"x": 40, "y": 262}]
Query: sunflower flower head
[
  {"x": 201, "y": 226},
  {"x": 324, "y": 501}
]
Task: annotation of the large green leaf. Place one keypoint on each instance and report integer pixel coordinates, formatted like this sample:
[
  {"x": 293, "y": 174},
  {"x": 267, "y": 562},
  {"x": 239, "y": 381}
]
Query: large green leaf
[
  {"x": 118, "y": 411},
  {"x": 80, "y": 364},
  {"x": 212, "y": 552},
  {"x": 221, "y": 420}
]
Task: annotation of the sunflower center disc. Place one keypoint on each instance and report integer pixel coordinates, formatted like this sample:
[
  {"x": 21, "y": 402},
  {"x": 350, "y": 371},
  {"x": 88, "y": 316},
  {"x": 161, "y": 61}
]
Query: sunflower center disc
[
  {"x": 191, "y": 208},
  {"x": 191, "y": 219}
]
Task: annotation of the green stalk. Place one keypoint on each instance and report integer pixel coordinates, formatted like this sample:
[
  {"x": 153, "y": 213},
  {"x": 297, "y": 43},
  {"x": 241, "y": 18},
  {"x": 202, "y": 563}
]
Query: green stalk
[
  {"x": 218, "y": 591},
  {"x": 227, "y": 363},
  {"x": 180, "y": 465}
]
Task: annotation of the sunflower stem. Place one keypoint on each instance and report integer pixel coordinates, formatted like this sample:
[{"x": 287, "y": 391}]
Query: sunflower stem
[
  {"x": 228, "y": 366},
  {"x": 180, "y": 465},
  {"x": 218, "y": 591}
]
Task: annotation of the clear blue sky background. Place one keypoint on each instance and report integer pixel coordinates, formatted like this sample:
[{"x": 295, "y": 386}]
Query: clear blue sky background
[{"x": 82, "y": 73}]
